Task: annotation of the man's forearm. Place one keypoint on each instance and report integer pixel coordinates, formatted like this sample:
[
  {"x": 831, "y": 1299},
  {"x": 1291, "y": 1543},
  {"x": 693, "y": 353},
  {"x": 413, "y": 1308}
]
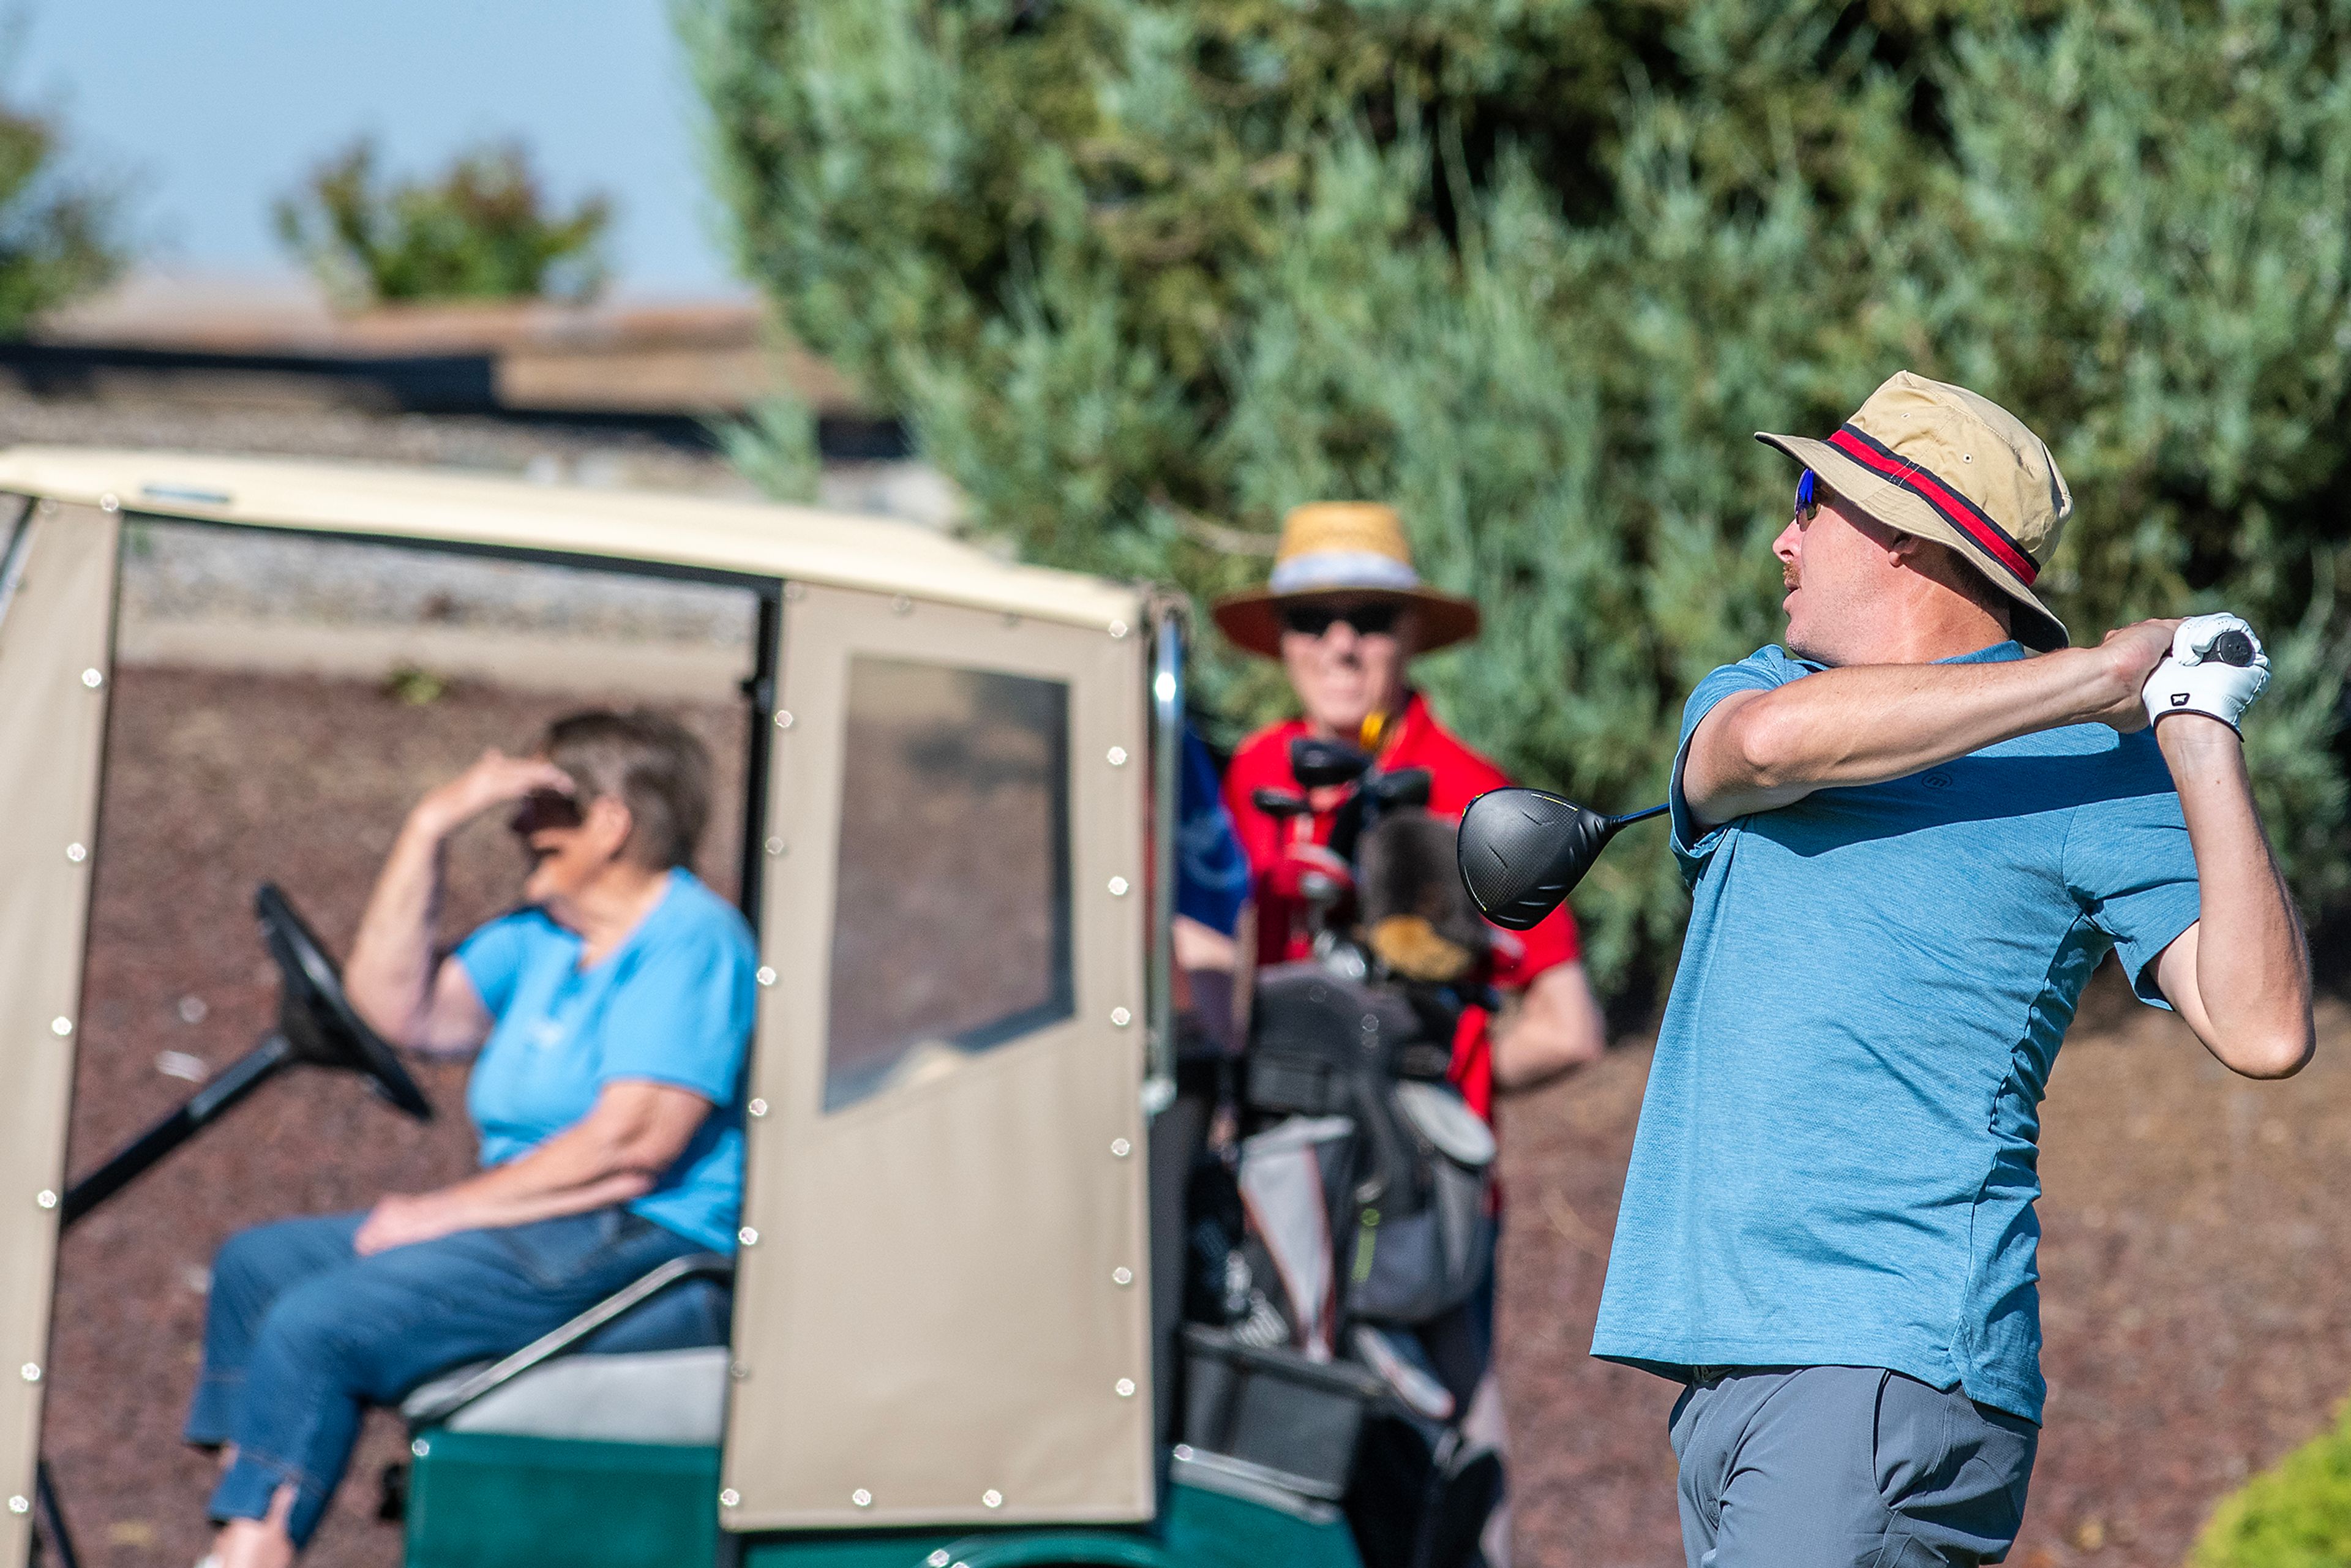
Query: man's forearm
[
  {"x": 1868, "y": 723},
  {"x": 1556, "y": 1028},
  {"x": 2249, "y": 998}
]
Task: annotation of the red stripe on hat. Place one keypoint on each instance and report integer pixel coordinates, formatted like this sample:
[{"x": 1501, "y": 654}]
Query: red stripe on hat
[{"x": 1949, "y": 505}]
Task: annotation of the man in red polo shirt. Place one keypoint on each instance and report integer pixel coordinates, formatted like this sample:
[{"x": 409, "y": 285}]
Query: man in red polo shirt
[{"x": 1344, "y": 612}]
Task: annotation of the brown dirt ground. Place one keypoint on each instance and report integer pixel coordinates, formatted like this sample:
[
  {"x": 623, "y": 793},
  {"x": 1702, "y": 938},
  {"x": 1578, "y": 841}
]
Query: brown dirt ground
[{"x": 2194, "y": 1255}]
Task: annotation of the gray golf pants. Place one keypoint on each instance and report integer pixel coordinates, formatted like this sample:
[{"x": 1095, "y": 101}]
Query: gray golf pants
[{"x": 1845, "y": 1467}]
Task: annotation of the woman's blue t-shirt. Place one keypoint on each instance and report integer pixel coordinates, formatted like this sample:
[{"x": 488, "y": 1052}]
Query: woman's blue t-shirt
[{"x": 673, "y": 1004}]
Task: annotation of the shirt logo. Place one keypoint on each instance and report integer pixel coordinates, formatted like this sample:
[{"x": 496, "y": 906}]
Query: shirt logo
[{"x": 1938, "y": 781}]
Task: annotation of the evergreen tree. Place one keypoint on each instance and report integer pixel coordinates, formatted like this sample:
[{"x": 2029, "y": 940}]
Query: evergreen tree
[{"x": 1142, "y": 274}]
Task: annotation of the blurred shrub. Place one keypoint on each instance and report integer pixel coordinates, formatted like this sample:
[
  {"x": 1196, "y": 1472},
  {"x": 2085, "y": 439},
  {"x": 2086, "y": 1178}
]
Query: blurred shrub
[
  {"x": 2296, "y": 1514},
  {"x": 774, "y": 445},
  {"x": 482, "y": 230},
  {"x": 1139, "y": 272},
  {"x": 60, "y": 239}
]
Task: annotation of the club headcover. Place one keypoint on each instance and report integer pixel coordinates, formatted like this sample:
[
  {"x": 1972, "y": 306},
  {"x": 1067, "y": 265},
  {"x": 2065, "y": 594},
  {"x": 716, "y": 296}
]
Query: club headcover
[
  {"x": 1522, "y": 850},
  {"x": 1414, "y": 914}
]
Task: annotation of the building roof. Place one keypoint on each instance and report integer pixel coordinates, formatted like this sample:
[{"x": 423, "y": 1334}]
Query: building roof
[
  {"x": 645, "y": 357},
  {"x": 796, "y": 543}
]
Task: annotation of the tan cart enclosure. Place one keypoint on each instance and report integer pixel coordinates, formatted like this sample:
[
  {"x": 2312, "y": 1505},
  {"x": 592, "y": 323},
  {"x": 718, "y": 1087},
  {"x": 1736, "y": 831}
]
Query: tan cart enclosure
[
  {"x": 57, "y": 617},
  {"x": 943, "y": 1302},
  {"x": 942, "y": 1312}
]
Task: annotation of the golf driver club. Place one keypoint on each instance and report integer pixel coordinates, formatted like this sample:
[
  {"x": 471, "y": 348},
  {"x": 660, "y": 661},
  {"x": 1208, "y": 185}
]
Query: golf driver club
[
  {"x": 2231, "y": 648},
  {"x": 1524, "y": 851},
  {"x": 1521, "y": 851}
]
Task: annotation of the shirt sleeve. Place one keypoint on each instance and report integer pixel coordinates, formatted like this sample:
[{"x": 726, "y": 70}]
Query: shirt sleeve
[
  {"x": 1760, "y": 672},
  {"x": 1212, "y": 878},
  {"x": 493, "y": 957},
  {"x": 682, "y": 1015},
  {"x": 2128, "y": 862}
]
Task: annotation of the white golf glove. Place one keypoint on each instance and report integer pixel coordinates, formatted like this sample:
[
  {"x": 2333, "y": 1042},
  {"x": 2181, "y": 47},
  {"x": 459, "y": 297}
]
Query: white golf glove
[{"x": 2194, "y": 678}]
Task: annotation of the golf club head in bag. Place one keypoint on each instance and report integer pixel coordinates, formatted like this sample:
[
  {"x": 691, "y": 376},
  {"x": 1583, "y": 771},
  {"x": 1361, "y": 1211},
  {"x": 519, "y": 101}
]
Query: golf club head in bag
[{"x": 1521, "y": 851}]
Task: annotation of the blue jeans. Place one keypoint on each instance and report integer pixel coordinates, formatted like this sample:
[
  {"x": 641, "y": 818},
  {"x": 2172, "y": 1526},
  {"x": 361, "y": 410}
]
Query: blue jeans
[{"x": 301, "y": 1333}]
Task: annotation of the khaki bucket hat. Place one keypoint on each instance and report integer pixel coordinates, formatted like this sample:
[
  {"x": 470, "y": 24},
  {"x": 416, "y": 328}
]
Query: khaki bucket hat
[
  {"x": 1342, "y": 549},
  {"x": 1939, "y": 462}
]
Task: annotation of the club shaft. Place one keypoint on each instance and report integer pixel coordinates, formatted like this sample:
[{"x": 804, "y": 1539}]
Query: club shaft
[{"x": 1629, "y": 817}]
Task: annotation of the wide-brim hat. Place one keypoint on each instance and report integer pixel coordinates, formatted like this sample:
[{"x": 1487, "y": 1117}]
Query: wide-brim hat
[
  {"x": 1342, "y": 549},
  {"x": 1939, "y": 462}
]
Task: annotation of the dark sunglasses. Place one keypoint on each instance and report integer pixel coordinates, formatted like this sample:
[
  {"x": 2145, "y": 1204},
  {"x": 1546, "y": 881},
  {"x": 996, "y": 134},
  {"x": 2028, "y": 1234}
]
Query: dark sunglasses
[
  {"x": 543, "y": 808},
  {"x": 1808, "y": 497},
  {"x": 1368, "y": 620}
]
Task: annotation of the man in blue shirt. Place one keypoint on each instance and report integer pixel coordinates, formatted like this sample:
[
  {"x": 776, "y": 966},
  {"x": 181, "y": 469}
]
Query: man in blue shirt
[
  {"x": 1909, "y": 842},
  {"x": 612, "y": 1013}
]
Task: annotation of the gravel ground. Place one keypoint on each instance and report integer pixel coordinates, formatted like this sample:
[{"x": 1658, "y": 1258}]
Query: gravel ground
[{"x": 178, "y": 571}]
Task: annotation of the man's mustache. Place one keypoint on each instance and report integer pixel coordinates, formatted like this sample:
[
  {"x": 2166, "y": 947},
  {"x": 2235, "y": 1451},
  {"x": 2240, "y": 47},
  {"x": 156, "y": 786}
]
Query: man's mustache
[{"x": 1791, "y": 577}]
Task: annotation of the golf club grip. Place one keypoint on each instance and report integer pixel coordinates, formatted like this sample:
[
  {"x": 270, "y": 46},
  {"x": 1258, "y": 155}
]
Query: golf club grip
[{"x": 2231, "y": 648}]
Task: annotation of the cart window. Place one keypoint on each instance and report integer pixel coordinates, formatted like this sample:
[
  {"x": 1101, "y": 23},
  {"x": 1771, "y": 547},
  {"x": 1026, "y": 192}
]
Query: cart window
[{"x": 951, "y": 928}]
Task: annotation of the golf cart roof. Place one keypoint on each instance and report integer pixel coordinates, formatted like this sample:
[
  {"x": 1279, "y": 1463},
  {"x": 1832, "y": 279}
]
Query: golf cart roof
[{"x": 798, "y": 543}]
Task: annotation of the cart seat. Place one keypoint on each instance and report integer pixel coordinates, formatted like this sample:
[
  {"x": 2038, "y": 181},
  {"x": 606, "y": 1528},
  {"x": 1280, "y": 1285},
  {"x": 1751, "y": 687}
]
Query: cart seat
[
  {"x": 672, "y": 1397},
  {"x": 647, "y": 1364}
]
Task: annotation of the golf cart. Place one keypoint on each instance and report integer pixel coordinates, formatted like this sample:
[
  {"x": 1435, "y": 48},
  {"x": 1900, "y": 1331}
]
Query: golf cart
[{"x": 955, "y": 1331}]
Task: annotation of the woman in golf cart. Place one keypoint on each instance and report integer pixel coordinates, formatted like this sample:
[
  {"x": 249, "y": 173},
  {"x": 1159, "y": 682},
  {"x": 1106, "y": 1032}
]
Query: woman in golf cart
[{"x": 612, "y": 1012}]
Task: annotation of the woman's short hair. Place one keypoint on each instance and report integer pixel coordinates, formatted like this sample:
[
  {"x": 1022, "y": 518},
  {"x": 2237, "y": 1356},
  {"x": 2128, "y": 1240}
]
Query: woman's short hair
[{"x": 652, "y": 764}]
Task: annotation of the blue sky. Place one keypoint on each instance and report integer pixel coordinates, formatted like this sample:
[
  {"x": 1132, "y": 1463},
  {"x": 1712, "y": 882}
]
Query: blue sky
[{"x": 212, "y": 108}]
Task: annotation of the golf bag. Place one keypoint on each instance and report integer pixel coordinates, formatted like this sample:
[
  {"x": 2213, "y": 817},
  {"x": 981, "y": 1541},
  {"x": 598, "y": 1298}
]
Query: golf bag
[
  {"x": 1408, "y": 1184},
  {"x": 1354, "y": 1214}
]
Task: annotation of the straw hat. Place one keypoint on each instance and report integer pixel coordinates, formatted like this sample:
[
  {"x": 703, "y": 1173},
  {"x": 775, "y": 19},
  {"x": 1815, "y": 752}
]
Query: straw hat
[
  {"x": 1939, "y": 462},
  {"x": 1342, "y": 549}
]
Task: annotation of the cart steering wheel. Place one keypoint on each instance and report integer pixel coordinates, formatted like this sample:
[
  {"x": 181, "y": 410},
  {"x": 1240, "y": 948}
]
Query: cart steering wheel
[{"x": 314, "y": 1017}]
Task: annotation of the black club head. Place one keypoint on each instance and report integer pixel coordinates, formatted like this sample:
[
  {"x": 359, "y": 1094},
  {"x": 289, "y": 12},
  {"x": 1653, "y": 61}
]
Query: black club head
[{"x": 1522, "y": 850}]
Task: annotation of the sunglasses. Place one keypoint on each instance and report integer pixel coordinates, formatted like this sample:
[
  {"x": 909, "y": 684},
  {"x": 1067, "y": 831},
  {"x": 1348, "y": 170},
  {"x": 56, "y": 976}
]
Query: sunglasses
[
  {"x": 1808, "y": 497},
  {"x": 543, "y": 808},
  {"x": 1368, "y": 620}
]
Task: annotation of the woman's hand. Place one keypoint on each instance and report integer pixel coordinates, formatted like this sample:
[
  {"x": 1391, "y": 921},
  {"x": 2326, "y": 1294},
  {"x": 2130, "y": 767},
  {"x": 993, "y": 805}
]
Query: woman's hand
[
  {"x": 402, "y": 1219},
  {"x": 396, "y": 980},
  {"x": 495, "y": 780}
]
